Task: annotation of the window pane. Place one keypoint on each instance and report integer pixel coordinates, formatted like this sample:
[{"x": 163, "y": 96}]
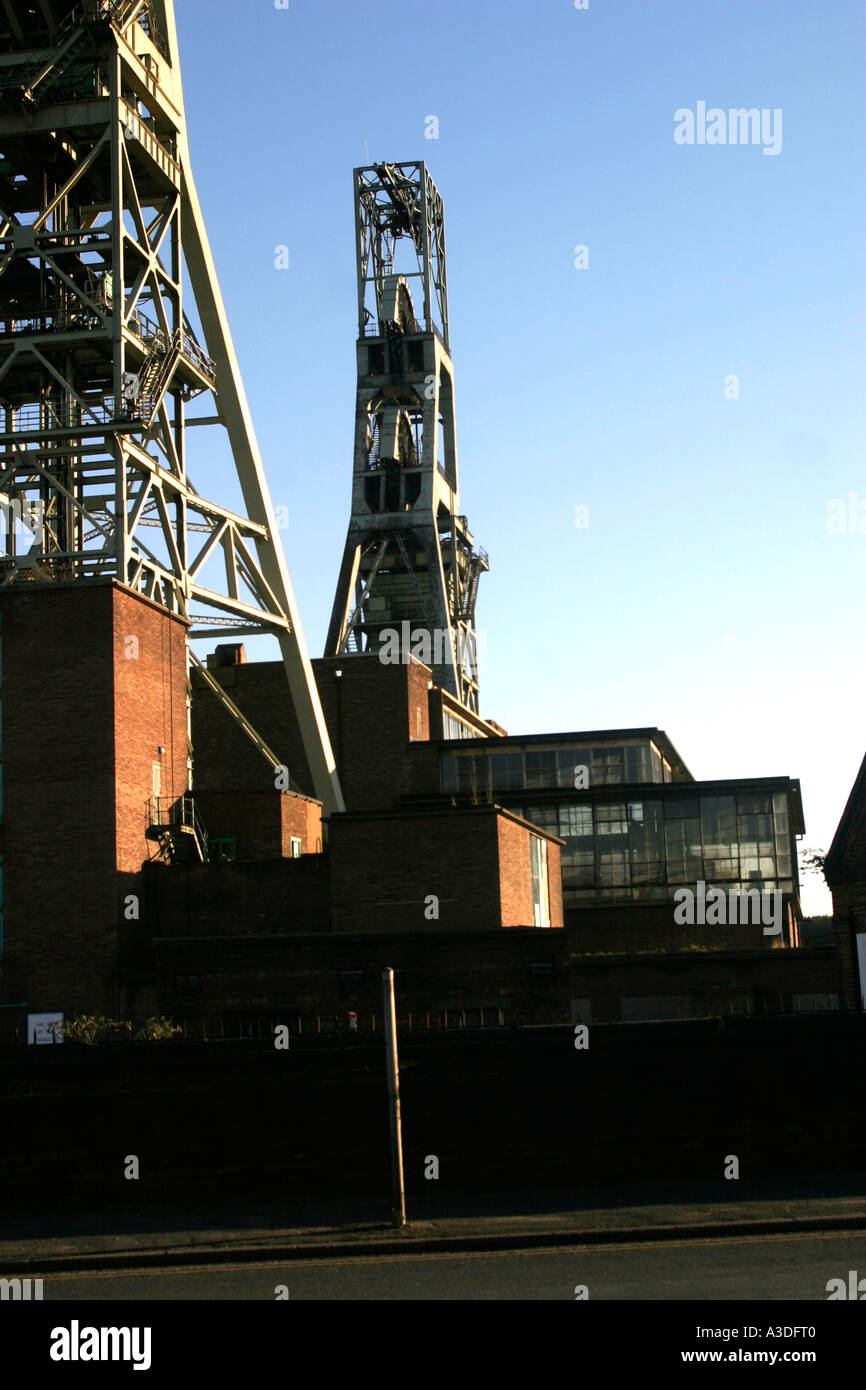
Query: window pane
[
  {"x": 541, "y": 769},
  {"x": 719, "y": 834},
  {"x": 684, "y": 852},
  {"x": 607, "y": 766},
  {"x": 567, "y": 759},
  {"x": 575, "y": 820},
  {"x": 639, "y": 763},
  {"x": 646, "y": 842},
  {"x": 613, "y": 868},
  {"x": 610, "y": 819},
  {"x": 578, "y": 868},
  {"x": 506, "y": 770}
]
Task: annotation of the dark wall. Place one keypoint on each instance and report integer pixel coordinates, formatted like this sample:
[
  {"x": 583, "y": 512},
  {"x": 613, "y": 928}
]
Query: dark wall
[
  {"x": 665, "y": 1102},
  {"x": 327, "y": 974}
]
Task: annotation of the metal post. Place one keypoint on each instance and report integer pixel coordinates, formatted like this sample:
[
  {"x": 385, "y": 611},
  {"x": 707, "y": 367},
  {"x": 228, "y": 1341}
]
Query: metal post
[{"x": 398, "y": 1198}]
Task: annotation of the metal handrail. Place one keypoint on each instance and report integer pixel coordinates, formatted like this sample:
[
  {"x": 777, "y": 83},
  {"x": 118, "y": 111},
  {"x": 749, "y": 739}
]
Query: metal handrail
[
  {"x": 179, "y": 814},
  {"x": 149, "y": 332}
]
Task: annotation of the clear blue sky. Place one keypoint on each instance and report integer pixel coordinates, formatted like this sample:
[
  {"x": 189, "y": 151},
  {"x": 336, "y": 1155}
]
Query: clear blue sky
[{"x": 707, "y": 595}]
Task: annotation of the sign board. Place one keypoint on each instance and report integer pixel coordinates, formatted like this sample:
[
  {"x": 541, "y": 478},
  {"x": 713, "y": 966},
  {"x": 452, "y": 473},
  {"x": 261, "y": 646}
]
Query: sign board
[{"x": 45, "y": 1028}]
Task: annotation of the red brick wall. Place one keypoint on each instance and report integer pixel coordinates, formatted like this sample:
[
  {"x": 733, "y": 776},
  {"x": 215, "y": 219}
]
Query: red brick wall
[
  {"x": 301, "y": 816},
  {"x": 225, "y": 758},
  {"x": 79, "y": 718},
  {"x": 149, "y": 713},
  {"x": 515, "y": 873},
  {"x": 432, "y": 973},
  {"x": 515, "y": 867},
  {"x": 262, "y": 823},
  {"x": 235, "y": 901},
  {"x": 846, "y": 875},
  {"x": 383, "y": 869},
  {"x": 374, "y": 713},
  {"x": 849, "y": 919}
]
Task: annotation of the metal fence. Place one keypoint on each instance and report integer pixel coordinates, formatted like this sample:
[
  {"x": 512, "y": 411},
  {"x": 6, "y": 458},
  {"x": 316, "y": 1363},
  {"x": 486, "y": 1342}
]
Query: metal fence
[{"x": 249, "y": 1028}]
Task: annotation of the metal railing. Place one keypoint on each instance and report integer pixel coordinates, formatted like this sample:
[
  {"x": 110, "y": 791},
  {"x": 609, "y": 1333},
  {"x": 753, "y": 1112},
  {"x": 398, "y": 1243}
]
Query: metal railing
[
  {"x": 44, "y": 419},
  {"x": 155, "y": 339},
  {"x": 178, "y": 814},
  {"x": 150, "y": 333},
  {"x": 338, "y": 1025},
  {"x": 53, "y": 321},
  {"x": 191, "y": 350}
]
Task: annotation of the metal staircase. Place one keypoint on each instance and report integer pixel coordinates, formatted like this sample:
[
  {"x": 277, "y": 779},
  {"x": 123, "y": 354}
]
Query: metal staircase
[
  {"x": 178, "y": 830},
  {"x": 155, "y": 376}
]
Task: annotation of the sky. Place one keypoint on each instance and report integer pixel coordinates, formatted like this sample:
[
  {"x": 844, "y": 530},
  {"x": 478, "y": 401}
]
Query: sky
[{"x": 692, "y": 378}]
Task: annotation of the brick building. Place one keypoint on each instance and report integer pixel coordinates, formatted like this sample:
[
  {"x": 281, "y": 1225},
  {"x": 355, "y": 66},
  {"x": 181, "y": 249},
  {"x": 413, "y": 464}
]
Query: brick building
[
  {"x": 141, "y": 878},
  {"x": 426, "y": 781},
  {"x": 94, "y": 728},
  {"x": 845, "y": 871}
]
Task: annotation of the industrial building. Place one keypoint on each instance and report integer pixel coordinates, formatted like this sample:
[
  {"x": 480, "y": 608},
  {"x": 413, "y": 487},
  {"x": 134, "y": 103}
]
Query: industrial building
[{"x": 236, "y": 843}]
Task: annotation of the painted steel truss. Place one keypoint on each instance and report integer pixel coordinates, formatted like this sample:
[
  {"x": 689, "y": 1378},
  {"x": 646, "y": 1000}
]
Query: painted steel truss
[
  {"x": 103, "y": 377},
  {"x": 409, "y": 566}
]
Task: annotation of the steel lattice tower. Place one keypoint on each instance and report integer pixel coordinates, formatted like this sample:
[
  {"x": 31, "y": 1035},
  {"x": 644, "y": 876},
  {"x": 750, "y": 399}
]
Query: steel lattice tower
[
  {"x": 409, "y": 564},
  {"x": 99, "y": 358}
]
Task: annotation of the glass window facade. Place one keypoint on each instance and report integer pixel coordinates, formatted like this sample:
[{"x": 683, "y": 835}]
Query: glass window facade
[
  {"x": 644, "y": 850},
  {"x": 633, "y": 849},
  {"x": 536, "y": 768},
  {"x": 455, "y": 728}
]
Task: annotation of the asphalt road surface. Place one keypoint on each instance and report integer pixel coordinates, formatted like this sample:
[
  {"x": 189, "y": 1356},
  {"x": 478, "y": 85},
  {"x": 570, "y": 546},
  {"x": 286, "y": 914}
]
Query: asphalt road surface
[{"x": 767, "y": 1267}]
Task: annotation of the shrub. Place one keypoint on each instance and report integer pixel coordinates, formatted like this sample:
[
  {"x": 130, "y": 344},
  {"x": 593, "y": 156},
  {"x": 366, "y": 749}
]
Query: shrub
[{"x": 89, "y": 1029}]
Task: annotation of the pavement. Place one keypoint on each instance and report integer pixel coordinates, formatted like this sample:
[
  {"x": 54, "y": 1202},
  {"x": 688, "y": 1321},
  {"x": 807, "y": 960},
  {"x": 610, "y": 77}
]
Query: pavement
[{"x": 438, "y": 1223}]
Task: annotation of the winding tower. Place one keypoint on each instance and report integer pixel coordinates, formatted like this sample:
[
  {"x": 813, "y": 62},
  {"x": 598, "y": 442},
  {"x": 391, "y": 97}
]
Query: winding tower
[
  {"x": 122, "y": 415},
  {"x": 105, "y": 366},
  {"x": 410, "y": 569}
]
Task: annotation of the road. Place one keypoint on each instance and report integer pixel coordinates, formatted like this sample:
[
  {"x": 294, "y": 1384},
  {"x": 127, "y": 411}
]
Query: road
[{"x": 768, "y": 1267}]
